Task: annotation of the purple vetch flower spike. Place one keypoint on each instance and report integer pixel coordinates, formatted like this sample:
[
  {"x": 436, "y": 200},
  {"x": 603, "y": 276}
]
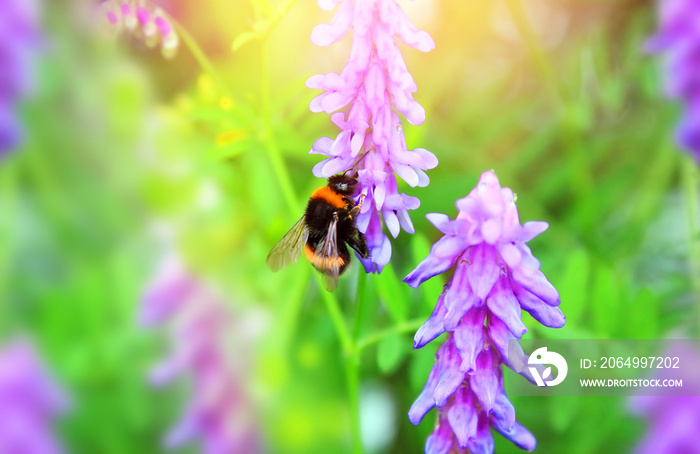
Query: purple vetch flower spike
[
  {"x": 679, "y": 40},
  {"x": 476, "y": 403},
  {"x": 377, "y": 86},
  {"x": 495, "y": 278},
  {"x": 143, "y": 20},
  {"x": 20, "y": 39},
  {"x": 30, "y": 400},
  {"x": 218, "y": 413}
]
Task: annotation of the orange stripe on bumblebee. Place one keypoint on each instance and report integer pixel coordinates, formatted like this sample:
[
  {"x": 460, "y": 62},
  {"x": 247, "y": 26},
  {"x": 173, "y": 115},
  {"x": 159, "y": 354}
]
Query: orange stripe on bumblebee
[
  {"x": 322, "y": 263},
  {"x": 330, "y": 196}
]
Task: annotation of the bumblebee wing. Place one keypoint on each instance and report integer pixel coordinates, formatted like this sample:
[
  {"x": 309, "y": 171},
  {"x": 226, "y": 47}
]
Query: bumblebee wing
[
  {"x": 327, "y": 250},
  {"x": 288, "y": 249}
]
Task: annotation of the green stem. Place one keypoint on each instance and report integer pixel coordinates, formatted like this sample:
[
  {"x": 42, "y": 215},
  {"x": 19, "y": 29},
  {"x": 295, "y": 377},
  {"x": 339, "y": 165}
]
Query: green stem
[
  {"x": 359, "y": 306},
  {"x": 352, "y": 375},
  {"x": 341, "y": 329},
  {"x": 352, "y": 367},
  {"x": 281, "y": 173},
  {"x": 405, "y": 326},
  {"x": 691, "y": 186},
  {"x": 289, "y": 317},
  {"x": 351, "y": 363},
  {"x": 199, "y": 55},
  {"x": 268, "y": 138}
]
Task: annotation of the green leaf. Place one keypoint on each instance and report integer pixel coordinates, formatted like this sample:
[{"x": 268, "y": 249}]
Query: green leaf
[
  {"x": 391, "y": 352},
  {"x": 574, "y": 286},
  {"x": 393, "y": 293}
]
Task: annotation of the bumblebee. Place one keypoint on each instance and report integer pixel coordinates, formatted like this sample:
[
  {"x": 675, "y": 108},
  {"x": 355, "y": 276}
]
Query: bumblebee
[{"x": 324, "y": 232}]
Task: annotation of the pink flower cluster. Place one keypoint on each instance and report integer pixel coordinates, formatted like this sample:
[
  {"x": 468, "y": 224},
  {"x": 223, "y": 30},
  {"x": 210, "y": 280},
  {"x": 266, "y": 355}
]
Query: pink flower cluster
[
  {"x": 218, "y": 412},
  {"x": 376, "y": 84},
  {"x": 144, "y": 21}
]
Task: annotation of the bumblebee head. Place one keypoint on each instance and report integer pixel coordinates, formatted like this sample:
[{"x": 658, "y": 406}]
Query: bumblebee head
[{"x": 343, "y": 184}]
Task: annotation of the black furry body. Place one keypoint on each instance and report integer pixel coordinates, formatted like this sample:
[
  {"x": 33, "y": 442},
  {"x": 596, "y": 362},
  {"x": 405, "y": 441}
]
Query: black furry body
[
  {"x": 325, "y": 205},
  {"x": 325, "y": 231}
]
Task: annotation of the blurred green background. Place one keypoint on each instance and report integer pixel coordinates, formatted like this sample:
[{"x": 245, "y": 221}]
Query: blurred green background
[{"x": 123, "y": 144}]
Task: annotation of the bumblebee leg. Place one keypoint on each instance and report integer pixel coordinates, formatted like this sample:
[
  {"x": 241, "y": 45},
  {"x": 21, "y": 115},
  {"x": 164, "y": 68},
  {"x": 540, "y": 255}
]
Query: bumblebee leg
[
  {"x": 356, "y": 209},
  {"x": 359, "y": 244}
]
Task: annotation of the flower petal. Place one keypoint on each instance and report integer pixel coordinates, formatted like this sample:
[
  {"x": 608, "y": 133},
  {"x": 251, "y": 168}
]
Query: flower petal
[
  {"x": 424, "y": 403},
  {"x": 510, "y": 254},
  {"x": 483, "y": 442},
  {"x": 322, "y": 146},
  {"x": 548, "y": 315},
  {"x": 407, "y": 174},
  {"x": 503, "y": 304},
  {"x": 463, "y": 417},
  {"x": 531, "y": 229},
  {"x": 432, "y": 328},
  {"x": 455, "y": 316},
  {"x": 483, "y": 271},
  {"x": 484, "y": 381},
  {"x": 317, "y": 81},
  {"x": 469, "y": 338},
  {"x": 449, "y": 376},
  {"x": 503, "y": 414},
  {"x": 334, "y": 166},
  {"x": 440, "y": 221},
  {"x": 455, "y": 294},
  {"x": 507, "y": 345},
  {"x": 519, "y": 435},
  {"x": 437, "y": 262},
  {"x": 392, "y": 222},
  {"x": 440, "y": 441},
  {"x": 379, "y": 257},
  {"x": 535, "y": 282},
  {"x": 430, "y": 161},
  {"x": 405, "y": 221},
  {"x": 409, "y": 202},
  {"x": 327, "y": 34},
  {"x": 379, "y": 196}
]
